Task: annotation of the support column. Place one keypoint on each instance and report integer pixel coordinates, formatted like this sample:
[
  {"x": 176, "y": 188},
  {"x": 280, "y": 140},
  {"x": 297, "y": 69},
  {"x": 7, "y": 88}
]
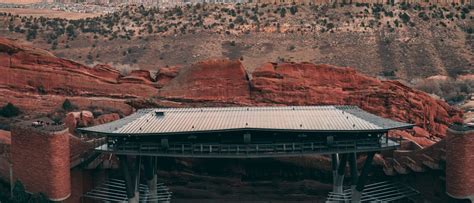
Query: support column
[
  {"x": 357, "y": 193},
  {"x": 334, "y": 163},
  {"x": 151, "y": 179},
  {"x": 353, "y": 167},
  {"x": 136, "y": 175},
  {"x": 129, "y": 179},
  {"x": 340, "y": 174}
]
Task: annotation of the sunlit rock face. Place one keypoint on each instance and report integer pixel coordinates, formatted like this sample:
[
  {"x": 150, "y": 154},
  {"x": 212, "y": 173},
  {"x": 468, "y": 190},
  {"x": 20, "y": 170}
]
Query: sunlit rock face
[
  {"x": 37, "y": 81},
  {"x": 223, "y": 81}
]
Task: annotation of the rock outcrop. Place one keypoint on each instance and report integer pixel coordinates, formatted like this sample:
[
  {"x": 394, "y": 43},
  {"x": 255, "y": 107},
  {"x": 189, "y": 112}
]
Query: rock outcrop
[
  {"x": 309, "y": 84},
  {"x": 38, "y": 81},
  {"x": 166, "y": 74},
  {"x": 37, "y": 72},
  {"x": 217, "y": 81},
  {"x": 106, "y": 118},
  {"x": 106, "y": 71},
  {"x": 138, "y": 77},
  {"x": 78, "y": 119}
]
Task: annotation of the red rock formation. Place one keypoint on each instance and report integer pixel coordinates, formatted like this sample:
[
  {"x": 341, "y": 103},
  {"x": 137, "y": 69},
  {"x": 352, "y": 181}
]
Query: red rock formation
[
  {"x": 139, "y": 77},
  {"x": 53, "y": 75},
  {"x": 79, "y": 119},
  {"x": 106, "y": 118},
  {"x": 166, "y": 74},
  {"x": 221, "y": 81},
  {"x": 37, "y": 81},
  {"x": 308, "y": 84},
  {"x": 5, "y": 155},
  {"x": 106, "y": 71},
  {"x": 5, "y": 138}
]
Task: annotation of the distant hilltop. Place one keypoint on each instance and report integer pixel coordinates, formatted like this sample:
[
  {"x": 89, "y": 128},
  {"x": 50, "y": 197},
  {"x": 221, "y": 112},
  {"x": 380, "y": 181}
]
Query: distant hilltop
[
  {"x": 25, "y": 1},
  {"x": 157, "y": 2}
]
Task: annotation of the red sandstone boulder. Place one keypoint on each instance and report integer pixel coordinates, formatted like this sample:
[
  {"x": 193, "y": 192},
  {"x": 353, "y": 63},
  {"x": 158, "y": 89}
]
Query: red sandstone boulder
[
  {"x": 166, "y": 74},
  {"x": 219, "y": 81},
  {"x": 106, "y": 118},
  {"x": 420, "y": 132},
  {"x": 78, "y": 119},
  {"x": 422, "y": 141}
]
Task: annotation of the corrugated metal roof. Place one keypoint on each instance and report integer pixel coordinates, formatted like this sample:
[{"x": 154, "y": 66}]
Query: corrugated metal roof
[{"x": 288, "y": 118}]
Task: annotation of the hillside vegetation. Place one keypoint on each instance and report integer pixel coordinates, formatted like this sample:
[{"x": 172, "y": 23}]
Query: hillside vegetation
[{"x": 400, "y": 41}]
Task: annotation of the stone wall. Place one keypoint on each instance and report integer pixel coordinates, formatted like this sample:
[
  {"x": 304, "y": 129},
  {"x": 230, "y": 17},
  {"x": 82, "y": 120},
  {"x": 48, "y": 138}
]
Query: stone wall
[
  {"x": 460, "y": 164},
  {"x": 41, "y": 161}
]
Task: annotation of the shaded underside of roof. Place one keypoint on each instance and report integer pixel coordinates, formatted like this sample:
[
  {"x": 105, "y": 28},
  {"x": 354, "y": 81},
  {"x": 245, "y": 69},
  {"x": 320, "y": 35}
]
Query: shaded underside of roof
[{"x": 217, "y": 119}]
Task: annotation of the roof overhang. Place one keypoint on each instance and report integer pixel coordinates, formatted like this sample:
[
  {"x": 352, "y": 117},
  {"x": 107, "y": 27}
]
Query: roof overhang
[{"x": 298, "y": 119}]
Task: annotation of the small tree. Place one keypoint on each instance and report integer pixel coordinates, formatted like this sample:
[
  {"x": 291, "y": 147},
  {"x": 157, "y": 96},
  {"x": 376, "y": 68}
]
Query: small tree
[
  {"x": 68, "y": 105},
  {"x": 293, "y": 10},
  {"x": 282, "y": 12},
  {"x": 9, "y": 110}
]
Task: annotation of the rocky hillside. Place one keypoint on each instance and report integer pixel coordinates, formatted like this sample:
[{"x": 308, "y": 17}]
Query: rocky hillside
[
  {"x": 406, "y": 41},
  {"x": 37, "y": 82}
]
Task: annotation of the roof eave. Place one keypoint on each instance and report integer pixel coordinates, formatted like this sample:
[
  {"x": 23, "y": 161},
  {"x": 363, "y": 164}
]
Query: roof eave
[{"x": 383, "y": 130}]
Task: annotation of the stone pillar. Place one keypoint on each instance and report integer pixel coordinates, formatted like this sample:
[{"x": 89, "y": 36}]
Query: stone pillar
[{"x": 460, "y": 162}]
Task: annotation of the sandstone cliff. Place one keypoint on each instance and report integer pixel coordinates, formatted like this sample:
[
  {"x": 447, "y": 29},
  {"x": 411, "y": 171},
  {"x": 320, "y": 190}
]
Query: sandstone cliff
[{"x": 36, "y": 80}]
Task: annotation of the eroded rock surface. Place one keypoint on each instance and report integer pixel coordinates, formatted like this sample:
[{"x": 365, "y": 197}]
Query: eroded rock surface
[
  {"x": 218, "y": 81},
  {"x": 38, "y": 81}
]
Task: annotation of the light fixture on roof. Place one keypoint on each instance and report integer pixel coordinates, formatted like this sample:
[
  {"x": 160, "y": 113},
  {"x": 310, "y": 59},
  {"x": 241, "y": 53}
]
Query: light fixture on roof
[{"x": 159, "y": 113}]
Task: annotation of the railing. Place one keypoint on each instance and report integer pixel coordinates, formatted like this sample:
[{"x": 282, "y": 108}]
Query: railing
[
  {"x": 78, "y": 157},
  {"x": 275, "y": 149}
]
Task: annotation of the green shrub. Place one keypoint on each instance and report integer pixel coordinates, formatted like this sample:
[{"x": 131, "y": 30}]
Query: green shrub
[
  {"x": 9, "y": 110},
  {"x": 68, "y": 105},
  {"x": 404, "y": 17},
  {"x": 282, "y": 12}
]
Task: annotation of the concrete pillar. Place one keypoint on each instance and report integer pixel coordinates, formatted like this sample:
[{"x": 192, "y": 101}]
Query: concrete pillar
[
  {"x": 151, "y": 178},
  {"x": 353, "y": 167},
  {"x": 340, "y": 174},
  {"x": 357, "y": 193},
  {"x": 130, "y": 179},
  {"x": 134, "y": 199},
  {"x": 334, "y": 163},
  {"x": 152, "y": 189}
]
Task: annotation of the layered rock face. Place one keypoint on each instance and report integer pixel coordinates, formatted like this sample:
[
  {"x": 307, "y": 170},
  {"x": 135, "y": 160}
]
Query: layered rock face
[
  {"x": 37, "y": 81},
  {"x": 53, "y": 75},
  {"x": 166, "y": 74},
  {"x": 309, "y": 84},
  {"x": 220, "y": 81}
]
